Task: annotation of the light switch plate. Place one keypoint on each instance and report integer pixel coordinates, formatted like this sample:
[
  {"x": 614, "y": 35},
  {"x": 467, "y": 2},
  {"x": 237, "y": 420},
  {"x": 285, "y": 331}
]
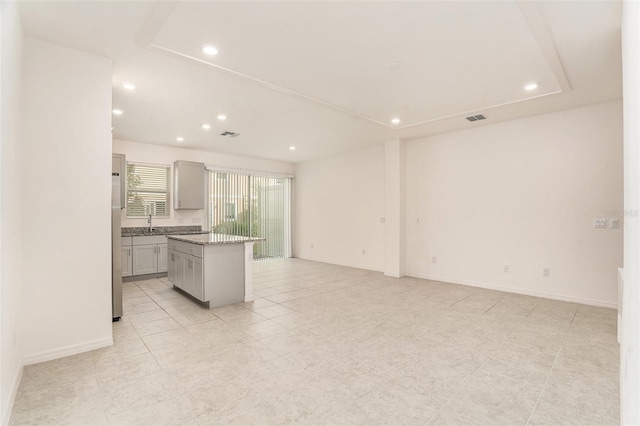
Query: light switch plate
[
  {"x": 600, "y": 223},
  {"x": 615, "y": 223}
]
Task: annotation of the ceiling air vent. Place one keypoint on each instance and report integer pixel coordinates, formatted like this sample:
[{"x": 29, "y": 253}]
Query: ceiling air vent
[
  {"x": 230, "y": 134},
  {"x": 476, "y": 117}
]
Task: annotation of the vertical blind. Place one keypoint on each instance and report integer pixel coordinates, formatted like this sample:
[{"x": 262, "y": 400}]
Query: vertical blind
[
  {"x": 148, "y": 189},
  {"x": 252, "y": 205}
]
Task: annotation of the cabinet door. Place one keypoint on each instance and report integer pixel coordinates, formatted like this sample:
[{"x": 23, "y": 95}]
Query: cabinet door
[
  {"x": 193, "y": 277},
  {"x": 126, "y": 262},
  {"x": 198, "y": 281},
  {"x": 187, "y": 274},
  {"x": 162, "y": 258},
  {"x": 175, "y": 263},
  {"x": 188, "y": 185},
  {"x": 145, "y": 259}
]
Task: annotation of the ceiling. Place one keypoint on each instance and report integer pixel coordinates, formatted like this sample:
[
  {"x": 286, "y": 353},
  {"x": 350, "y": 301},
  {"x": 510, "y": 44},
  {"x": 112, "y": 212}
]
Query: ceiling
[{"x": 328, "y": 77}]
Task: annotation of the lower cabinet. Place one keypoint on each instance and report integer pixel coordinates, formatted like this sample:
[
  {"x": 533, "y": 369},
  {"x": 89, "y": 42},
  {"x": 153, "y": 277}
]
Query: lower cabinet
[
  {"x": 144, "y": 255},
  {"x": 212, "y": 273},
  {"x": 127, "y": 262},
  {"x": 175, "y": 275},
  {"x": 162, "y": 257},
  {"x": 193, "y": 283},
  {"x": 186, "y": 272},
  {"x": 145, "y": 259}
]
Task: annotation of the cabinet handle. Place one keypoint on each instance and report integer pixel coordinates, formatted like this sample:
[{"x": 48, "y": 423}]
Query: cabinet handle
[
  {"x": 155, "y": 250},
  {"x": 129, "y": 251}
]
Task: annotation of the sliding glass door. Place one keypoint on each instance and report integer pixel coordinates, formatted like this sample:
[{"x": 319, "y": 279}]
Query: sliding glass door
[{"x": 252, "y": 205}]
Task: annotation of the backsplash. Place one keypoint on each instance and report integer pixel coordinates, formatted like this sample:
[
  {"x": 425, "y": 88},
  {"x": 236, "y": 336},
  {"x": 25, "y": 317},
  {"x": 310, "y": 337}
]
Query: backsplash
[{"x": 161, "y": 230}]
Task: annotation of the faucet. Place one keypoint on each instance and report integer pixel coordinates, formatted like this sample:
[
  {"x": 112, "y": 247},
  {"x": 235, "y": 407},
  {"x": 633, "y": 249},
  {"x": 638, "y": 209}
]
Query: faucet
[{"x": 150, "y": 225}]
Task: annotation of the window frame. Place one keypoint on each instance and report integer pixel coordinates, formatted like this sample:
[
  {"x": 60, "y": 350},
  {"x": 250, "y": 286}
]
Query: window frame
[{"x": 168, "y": 190}]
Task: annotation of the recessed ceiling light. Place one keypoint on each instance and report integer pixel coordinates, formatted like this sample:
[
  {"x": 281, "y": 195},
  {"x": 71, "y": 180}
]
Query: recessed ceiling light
[
  {"x": 129, "y": 86},
  {"x": 180, "y": 139},
  {"x": 210, "y": 50},
  {"x": 117, "y": 111},
  {"x": 222, "y": 117},
  {"x": 531, "y": 86},
  {"x": 206, "y": 126},
  {"x": 395, "y": 120},
  {"x": 292, "y": 148}
]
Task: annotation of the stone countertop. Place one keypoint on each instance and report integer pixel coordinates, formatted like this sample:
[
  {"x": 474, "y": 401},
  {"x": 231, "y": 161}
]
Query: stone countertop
[
  {"x": 206, "y": 239},
  {"x": 162, "y": 230}
]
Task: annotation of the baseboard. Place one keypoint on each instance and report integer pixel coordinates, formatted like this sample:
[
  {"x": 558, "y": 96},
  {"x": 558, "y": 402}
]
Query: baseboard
[
  {"x": 8, "y": 406},
  {"x": 333, "y": 262},
  {"x": 132, "y": 278},
  {"x": 68, "y": 350},
  {"x": 572, "y": 299}
]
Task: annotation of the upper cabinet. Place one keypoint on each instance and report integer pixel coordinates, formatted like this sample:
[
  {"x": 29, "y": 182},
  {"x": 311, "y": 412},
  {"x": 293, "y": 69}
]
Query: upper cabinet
[
  {"x": 119, "y": 165},
  {"x": 188, "y": 185}
]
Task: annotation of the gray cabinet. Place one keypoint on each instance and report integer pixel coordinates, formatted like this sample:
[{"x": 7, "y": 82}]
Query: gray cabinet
[
  {"x": 162, "y": 258},
  {"x": 188, "y": 185},
  {"x": 127, "y": 264},
  {"x": 175, "y": 262},
  {"x": 127, "y": 257},
  {"x": 213, "y": 273},
  {"x": 145, "y": 259},
  {"x": 144, "y": 255},
  {"x": 192, "y": 276}
]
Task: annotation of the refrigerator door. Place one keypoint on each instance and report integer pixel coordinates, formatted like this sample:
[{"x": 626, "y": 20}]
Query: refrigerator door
[{"x": 116, "y": 259}]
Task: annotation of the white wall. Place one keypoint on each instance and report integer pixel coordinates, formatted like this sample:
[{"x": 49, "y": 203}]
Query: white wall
[
  {"x": 156, "y": 154},
  {"x": 10, "y": 237},
  {"x": 630, "y": 325},
  {"x": 522, "y": 193},
  {"x": 66, "y": 174},
  {"x": 338, "y": 203}
]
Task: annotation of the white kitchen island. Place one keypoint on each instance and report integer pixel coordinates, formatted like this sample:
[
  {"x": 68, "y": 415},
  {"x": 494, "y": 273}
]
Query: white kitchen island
[{"x": 214, "y": 268}]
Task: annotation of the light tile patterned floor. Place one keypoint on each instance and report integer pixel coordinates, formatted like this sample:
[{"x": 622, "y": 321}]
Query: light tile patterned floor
[{"x": 327, "y": 345}]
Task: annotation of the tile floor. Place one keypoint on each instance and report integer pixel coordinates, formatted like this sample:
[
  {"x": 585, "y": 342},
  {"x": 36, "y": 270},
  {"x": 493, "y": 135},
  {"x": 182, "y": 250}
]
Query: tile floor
[{"x": 330, "y": 345}]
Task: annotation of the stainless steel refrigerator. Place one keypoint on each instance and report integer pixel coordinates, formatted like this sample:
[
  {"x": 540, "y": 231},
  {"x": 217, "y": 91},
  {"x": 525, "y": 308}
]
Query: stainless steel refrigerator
[{"x": 116, "y": 258}]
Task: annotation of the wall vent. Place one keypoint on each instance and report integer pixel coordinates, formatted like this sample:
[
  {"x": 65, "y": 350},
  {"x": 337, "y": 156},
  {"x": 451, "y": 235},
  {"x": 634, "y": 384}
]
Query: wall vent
[
  {"x": 476, "y": 117},
  {"x": 230, "y": 134}
]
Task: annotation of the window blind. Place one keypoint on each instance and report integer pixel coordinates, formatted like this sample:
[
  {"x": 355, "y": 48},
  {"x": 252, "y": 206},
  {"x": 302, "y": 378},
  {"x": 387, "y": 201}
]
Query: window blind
[
  {"x": 148, "y": 190},
  {"x": 252, "y": 205}
]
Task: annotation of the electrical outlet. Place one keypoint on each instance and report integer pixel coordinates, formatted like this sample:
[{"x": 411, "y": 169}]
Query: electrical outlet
[
  {"x": 311, "y": 245},
  {"x": 382, "y": 220},
  {"x": 546, "y": 272},
  {"x": 364, "y": 251},
  {"x": 506, "y": 268},
  {"x": 434, "y": 259},
  {"x": 615, "y": 223},
  {"x": 418, "y": 220},
  {"x": 600, "y": 223}
]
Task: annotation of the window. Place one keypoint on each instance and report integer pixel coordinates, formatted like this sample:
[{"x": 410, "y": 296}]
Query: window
[
  {"x": 148, "y": 190},
  {"x": 252, "y": 205}
]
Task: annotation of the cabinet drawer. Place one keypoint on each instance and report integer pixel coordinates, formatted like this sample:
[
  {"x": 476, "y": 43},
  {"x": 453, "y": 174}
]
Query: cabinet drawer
[
  {"x": 149, "y": 239},
  {"x": 196, "y": 250},
  {"x": 125, "y": 241}
]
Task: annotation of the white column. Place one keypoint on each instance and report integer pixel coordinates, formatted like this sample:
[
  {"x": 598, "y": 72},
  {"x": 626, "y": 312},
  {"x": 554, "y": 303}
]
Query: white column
[
  {"x": 394, "y": 190},
  {"x": 248, "y": 271},
  {"x": 630, "y": 309}
]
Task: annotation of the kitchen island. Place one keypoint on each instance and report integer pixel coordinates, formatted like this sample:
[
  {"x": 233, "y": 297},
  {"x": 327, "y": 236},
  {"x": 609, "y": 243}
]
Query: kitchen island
[{"x": 216, "y": 269}]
